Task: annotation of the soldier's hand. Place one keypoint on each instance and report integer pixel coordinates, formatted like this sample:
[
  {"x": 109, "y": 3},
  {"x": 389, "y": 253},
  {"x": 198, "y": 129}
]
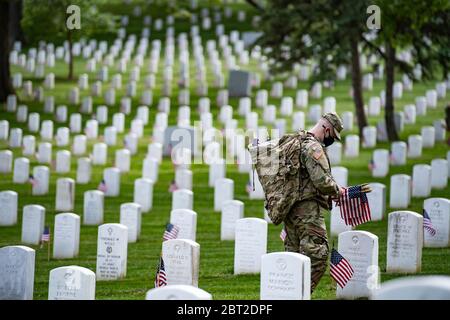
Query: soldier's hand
[{"x": 341, "y": 192}]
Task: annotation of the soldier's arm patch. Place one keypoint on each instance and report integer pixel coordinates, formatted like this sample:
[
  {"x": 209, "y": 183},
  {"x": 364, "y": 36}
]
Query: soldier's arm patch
[{"x": 317, "y": 152}]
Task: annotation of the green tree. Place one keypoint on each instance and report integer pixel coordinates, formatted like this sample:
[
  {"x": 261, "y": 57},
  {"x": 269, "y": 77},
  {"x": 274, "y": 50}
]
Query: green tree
[
  {"x": 328, "y": 32},
  {"x": 420, "y": 26},
  {"x": 5, "y": 45},
  {"x": 48, "y": 20}
]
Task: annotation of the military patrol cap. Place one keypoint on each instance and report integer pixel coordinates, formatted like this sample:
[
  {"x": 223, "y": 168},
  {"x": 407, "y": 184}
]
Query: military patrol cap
[{"x": 336, "y": 122}]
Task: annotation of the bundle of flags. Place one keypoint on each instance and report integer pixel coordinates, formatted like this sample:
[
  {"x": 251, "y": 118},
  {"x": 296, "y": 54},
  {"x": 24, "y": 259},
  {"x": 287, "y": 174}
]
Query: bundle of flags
[
  {"x": 427, "y": 225},
  {"x": 340, "y": 269},
  {"x": 354, "y": 205},
  {"x": 102, "y": 186}
]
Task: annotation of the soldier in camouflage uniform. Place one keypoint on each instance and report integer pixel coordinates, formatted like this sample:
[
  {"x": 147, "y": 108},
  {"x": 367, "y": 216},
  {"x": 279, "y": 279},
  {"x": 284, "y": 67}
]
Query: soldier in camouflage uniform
[{"x": 305, "y": 224}]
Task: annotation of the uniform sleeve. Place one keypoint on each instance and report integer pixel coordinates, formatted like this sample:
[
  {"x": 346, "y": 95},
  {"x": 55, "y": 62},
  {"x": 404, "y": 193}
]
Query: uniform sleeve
[{"x": 316, "y": 163}]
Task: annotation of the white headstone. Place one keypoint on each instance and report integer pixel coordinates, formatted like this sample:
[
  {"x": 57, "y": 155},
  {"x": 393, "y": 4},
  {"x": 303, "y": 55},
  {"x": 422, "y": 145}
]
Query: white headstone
[
  {"x": 41, "y": 175},
  {"x": 438, "y": 209},
  {"x": 15, "y": 138},
  {"x": 186, "y": 221},
  {"x": 404, "y": 242},
  {"x": 17, "y": 273},
  {"x": 177, "y": 292},
  {"x": 131, "y": 217},
  {"x": 398, "y": 153},
  {"x": 6, "y": 160},
  {"x": 360, "y": 249},
  {"x": 369, "y": 137},
  {"x": 112, "y": 250},
  {"x": 439, "y": 173},
  {"x": 111, "y": 176},
  {"x": 65, "y": 194},
  {"x": 183, "y": 179},
  {"x": 232, "y": 211},
  {"x": 33, "y": 220},
  {"x": 340, "y": 175},
  {"x": 66, "y": 242},
  {"x": 380, "y": 167},
  {"x": 143, "y": 193},
  {"x": 421, "y": 180},
  {"x": 21, "y": 170},
  {"x": 63, "y": 161},
  {"x": 250, "y": 245},
  {"x": 182, "y": 199},
  {"x": 150, "y": 169},
  {"x": 414, "y": 146},
  {"x": 400, "y": 191},
  {"x": 79, "y": 145},
  {"x": 93, "y": 207},
  {"x": 83, "y": 170},
  {"x": 4, "y": 129},
  {"x": 377, "y": 201},
  {"x": 123, "y": 160},
  {"x": 428, "y": 136},
  {"x": 71, "y": 283},
  {"x": 285, "y": 276},
  {"x": 181, "y": 260},
  {"x": 352, "y": 146},
  {"x": 44, "y": 154},
  {"x": 415, "y": 288},
  {"x": 223, "y": 191},
  {"x": 8, "y": 208}
]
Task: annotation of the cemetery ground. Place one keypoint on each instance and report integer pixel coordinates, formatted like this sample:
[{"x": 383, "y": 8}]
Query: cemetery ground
[{"x": 216, "y": 256}]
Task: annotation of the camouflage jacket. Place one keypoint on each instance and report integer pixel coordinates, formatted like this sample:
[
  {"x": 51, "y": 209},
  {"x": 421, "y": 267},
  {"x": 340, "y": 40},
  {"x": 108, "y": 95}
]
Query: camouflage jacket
[{"x": 316, "y": 181}]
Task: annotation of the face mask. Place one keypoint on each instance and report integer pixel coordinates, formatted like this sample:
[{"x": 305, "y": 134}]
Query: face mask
[{"x": 328, "y": 141}]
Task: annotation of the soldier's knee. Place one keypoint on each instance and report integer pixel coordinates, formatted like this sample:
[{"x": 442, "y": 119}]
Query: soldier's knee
[{"x": 315, "y": 247}]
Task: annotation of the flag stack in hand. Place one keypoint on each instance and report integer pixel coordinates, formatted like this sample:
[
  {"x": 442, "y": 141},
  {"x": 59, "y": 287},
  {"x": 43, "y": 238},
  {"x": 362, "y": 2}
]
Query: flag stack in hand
[{"x": 354, "y": 205}]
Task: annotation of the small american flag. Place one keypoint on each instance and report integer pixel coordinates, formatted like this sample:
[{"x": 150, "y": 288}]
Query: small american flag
[
  {"x": 371, "y": 165},
  {"x": 391, "y": 157},
  {"x": 171, "y": 232},
  {"x": 283, "y": 234},
  {"x": 46, "y": 235},
  {"x": 173, "y": 186},
  {"x": 249, "y": 187},
  {"x": 161, "y": 279},
  {"x": 102, "y": 186},
  {"x": 354, "y": 206},
  {"x": 32, "y": 180},
  {"x": 340, "y": 269},
  {"x": 427, "y": 225}
]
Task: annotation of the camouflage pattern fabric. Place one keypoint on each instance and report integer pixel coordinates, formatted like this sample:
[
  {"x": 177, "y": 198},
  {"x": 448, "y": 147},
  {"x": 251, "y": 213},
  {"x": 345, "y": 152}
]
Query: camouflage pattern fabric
[
  {"x": 305, "y": 223},
  {"x": 316, "y": 181},
  {"x": 306, "y": 233}
]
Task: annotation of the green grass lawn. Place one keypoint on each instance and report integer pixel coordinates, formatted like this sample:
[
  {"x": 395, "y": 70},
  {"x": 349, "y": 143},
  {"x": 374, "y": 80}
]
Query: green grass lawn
[{"x": 216, "y": 257}]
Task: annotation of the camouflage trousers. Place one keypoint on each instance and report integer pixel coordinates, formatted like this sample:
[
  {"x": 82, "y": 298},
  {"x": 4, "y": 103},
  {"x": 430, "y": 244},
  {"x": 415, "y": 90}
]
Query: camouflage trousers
[{"x": 307, "y": 234}]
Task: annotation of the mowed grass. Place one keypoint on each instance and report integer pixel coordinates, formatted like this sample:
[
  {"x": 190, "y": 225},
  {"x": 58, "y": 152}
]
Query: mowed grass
[{"x": 216, "y": 258}]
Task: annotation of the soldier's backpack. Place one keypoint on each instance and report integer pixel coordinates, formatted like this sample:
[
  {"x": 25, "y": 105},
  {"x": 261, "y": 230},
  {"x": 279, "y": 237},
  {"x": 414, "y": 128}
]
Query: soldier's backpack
[{"x": 277, "y": 163}]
